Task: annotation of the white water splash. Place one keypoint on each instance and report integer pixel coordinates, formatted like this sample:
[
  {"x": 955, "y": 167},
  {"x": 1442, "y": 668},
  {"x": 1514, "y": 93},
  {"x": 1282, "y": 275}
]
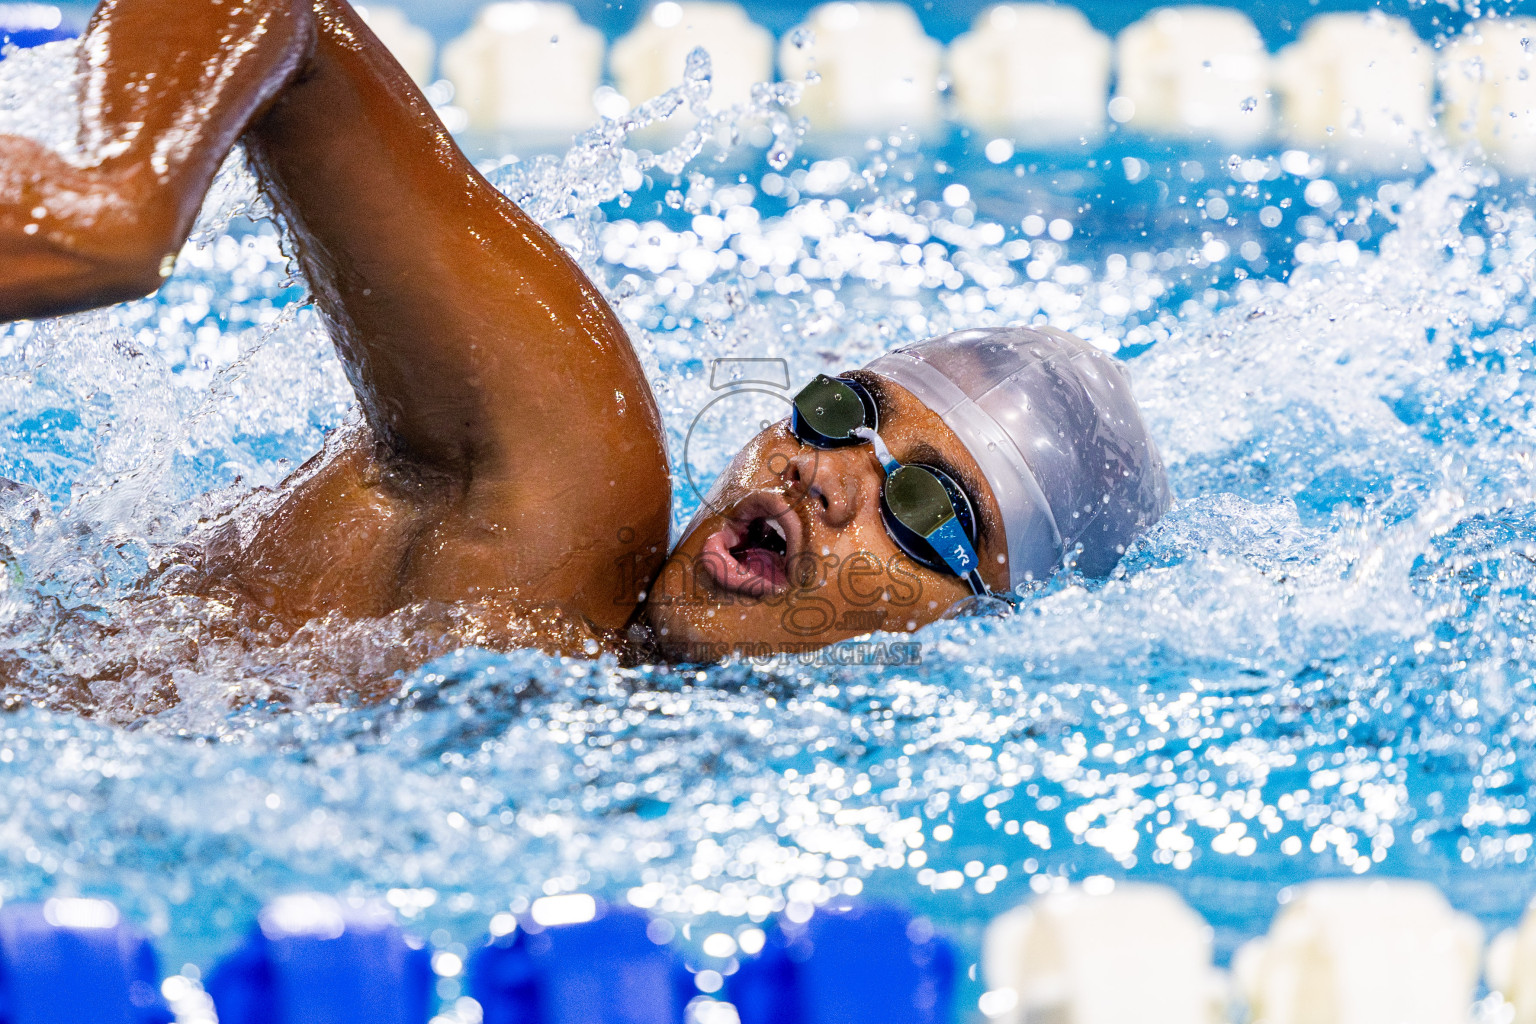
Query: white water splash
[{"x": 1320, "y": 661}]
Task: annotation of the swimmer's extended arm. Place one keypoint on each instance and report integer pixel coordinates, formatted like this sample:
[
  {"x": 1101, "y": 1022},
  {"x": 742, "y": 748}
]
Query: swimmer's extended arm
[
  {"x": 480, "y": 353},
  {"x": 157, "y": 117}
]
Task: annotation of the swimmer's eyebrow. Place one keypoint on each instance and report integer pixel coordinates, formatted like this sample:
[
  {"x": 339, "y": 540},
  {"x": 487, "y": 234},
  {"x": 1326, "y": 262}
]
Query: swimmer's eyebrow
[{"x": 876, "y": 388}]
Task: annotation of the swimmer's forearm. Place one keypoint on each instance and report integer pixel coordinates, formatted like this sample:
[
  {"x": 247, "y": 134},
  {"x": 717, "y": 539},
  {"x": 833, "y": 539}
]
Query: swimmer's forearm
[
  {"x": 74, "y": 238},
  {"x": 42, "y": 280},
  {"x": 167, "y": 86}
]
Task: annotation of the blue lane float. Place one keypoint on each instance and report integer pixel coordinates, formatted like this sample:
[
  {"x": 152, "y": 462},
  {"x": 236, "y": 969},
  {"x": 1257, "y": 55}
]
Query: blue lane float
[
  {"x": 852, "y": 963},
  {"x": 74, "y": 961},
  {"x": 312, "y": 960},
  {"x": 585, "y": 963}
]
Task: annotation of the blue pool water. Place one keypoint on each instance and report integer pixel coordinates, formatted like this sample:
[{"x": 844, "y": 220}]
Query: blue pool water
[{"x": 1318, "y": 664}]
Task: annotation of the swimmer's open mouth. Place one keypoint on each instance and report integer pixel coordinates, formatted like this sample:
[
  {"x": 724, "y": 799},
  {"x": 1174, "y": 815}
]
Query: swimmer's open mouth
[{"x": 749, "y": 554}]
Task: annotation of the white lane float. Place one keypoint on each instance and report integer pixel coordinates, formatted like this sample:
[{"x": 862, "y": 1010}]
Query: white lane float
[
  {"x": 1362, "y": 83},
  {"x": 1038, "y": 72},
  {"x": 1488, "y": 88},
  {"x": 1194, "y": 72},
  {"x": 1512, "y": 968},
  {"x": 1363, "y": 952},
  {"x": 526, "y": 67},
  {"x": 1102, "y": 954},
  {"x": 875, "y": 68},
  {"x": 650, "y": 59}
]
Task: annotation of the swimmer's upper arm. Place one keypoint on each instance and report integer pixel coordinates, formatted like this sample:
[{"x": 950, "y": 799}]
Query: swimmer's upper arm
[
  {"x": 456, "y": 315},
  {"x": 477, "y": 346}
]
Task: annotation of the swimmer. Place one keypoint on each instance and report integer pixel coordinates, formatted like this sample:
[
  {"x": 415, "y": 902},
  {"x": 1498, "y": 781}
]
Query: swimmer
[{"x": 509, "y": 454}]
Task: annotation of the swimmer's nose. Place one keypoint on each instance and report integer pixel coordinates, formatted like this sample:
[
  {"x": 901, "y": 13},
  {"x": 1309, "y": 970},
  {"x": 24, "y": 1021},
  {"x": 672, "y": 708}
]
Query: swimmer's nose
[{"x": 826, "y": 483}]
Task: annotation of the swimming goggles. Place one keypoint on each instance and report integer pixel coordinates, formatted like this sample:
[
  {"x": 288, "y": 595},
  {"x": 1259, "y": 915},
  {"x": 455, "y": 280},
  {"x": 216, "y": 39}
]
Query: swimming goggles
[{"x": 924, "y": 510}]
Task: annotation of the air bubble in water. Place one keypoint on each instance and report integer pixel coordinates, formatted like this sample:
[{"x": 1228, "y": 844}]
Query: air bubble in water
[{"x": 697, "y": 75}]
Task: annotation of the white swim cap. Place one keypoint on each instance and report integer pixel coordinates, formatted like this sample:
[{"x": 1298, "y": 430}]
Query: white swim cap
[{"x": 1051, "y": 422}]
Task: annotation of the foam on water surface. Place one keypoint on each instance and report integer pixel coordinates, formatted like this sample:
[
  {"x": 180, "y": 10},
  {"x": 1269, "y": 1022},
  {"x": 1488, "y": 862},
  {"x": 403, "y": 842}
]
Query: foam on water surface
[{"x": 1319, "y": 662}]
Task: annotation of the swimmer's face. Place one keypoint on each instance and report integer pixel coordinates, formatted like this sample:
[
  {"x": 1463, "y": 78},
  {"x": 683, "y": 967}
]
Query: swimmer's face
[{"x": 790, "y": 551}]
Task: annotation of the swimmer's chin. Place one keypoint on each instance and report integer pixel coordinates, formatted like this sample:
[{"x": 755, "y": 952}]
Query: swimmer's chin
[{"x": 668, "y": 635}]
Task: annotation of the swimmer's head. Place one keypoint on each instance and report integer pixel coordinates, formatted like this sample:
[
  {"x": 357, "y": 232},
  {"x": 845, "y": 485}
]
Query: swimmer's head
[{"x": 1035, "y": 427}]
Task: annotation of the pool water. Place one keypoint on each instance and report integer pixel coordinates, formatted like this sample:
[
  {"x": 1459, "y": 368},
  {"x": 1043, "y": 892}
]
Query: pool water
[{"x": 1318, "y": 664}]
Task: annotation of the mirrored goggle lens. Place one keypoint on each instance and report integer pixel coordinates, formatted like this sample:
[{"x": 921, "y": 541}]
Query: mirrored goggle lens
[
  {"x": 918, "y": 500},
  {"x": 924, "y": 518},
  {"x": 827, "y": 411}
]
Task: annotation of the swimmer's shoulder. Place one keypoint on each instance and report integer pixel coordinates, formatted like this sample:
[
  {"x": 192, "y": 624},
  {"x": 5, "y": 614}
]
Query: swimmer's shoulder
[{"x": 357, "y": 533}]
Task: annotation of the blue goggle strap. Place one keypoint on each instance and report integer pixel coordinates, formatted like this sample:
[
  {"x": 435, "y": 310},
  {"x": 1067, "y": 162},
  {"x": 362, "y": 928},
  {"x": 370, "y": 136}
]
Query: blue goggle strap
[{"x": 954, "y": 547}]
